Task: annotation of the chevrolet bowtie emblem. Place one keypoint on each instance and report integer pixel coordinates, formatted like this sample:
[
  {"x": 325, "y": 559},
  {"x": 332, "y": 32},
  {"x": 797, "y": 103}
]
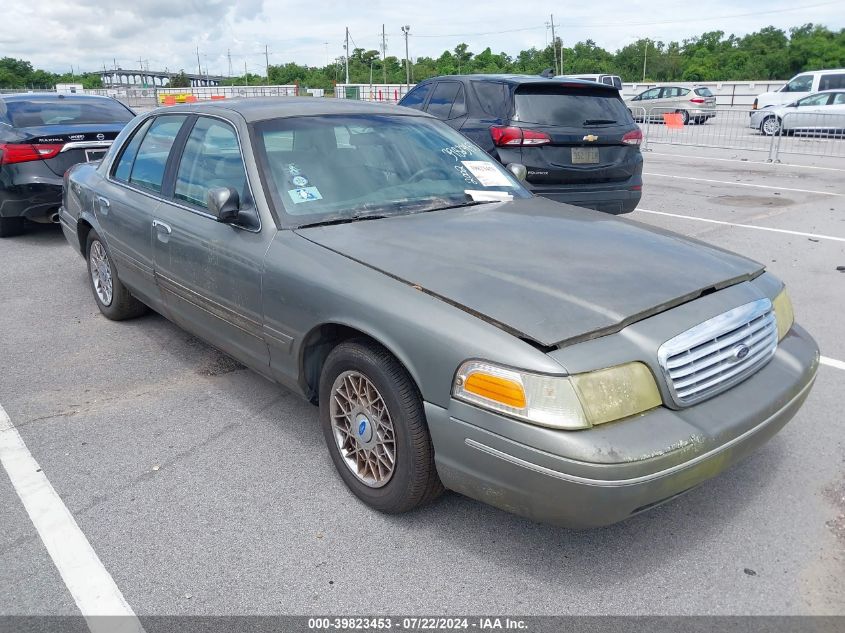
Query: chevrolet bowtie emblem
[{"x": 591, "y": 138}]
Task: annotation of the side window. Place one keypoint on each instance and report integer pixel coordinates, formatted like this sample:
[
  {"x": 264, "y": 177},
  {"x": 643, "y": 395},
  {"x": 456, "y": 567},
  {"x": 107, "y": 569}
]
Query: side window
[
  {"x": 459, "y": 107},
  {"x": 683, "y": 91},
  {"x": 212, "y": 158},
  {"x": 148, "y": 169},
  {"x": 416, "y": 97},
  {"x": 839, "y": 98},
  {"x": 802, "y": 83},
  {"x": 442, "y": 99},
  {"x": 670, "y": 92},
  {"x": 814, "y": 100},
  {"x": 493, "y": 97},
  {"x": 607, "y": 79},
  {"x": 123, "y": 166},
  {"x": 832, "y": 82},
  {"x": 650, "y": 94}
]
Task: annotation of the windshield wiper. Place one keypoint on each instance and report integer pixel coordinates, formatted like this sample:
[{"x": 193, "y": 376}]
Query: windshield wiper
[
  {"x": 352, "y": 218},
  {"x": 457, "y": 205},
  {"x": 599, "y": 122}
]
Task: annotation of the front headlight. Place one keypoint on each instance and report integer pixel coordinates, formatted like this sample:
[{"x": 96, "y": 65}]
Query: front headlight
[
  {"x": 782, "y": 305},
  {"x": 571, "y": 402}
]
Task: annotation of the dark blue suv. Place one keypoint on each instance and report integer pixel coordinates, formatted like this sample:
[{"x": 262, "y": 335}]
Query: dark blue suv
[{"x": 576, "y": 138}]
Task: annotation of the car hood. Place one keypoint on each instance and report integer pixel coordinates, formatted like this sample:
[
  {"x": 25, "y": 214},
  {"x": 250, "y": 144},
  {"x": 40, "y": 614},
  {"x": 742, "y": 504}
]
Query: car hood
[{"x": 545, "y": 271}]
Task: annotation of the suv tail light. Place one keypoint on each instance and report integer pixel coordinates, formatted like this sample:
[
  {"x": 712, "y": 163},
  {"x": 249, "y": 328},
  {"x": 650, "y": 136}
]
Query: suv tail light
[
  {"x": 11, "y": 153},
  {"x": 697, "y": 100},
  {"x": 517, "y": 137},
  {"x": 634, "y": 137}
]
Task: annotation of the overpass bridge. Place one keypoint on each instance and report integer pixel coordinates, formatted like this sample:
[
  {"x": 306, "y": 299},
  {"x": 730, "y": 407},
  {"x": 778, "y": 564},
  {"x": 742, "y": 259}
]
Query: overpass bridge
[{"x": 127, "y": 78}]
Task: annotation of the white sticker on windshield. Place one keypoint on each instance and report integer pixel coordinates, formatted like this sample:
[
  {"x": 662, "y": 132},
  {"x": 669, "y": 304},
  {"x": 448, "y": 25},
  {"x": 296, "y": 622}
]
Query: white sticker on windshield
[
  {"x": 304, "y": 194},
  {"x": 487, "y": 174}
]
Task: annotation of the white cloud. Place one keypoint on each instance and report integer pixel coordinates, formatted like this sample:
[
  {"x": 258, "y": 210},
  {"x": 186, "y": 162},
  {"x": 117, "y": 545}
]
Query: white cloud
[{"x": 55, "y": 34}]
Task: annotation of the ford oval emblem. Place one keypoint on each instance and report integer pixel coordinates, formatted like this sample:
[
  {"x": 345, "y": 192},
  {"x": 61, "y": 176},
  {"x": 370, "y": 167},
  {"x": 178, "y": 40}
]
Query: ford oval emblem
[
  {"x": 740, "y": 352},
  {"x": 362, "y": 427}
]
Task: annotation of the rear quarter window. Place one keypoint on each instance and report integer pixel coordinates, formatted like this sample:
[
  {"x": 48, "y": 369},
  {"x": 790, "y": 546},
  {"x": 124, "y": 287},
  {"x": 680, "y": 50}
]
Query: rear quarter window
[
  {"x": 568, "y": 106},
  {"x": 703, "y": 92},
  {"x": 493, "y": 97}
]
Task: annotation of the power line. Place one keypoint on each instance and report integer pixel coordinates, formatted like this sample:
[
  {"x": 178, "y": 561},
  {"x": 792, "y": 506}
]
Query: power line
[{"x": 649, "y": 23}]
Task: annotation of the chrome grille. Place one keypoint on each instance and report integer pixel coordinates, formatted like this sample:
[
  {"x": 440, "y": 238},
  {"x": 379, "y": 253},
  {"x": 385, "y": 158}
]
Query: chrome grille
[{"x": 717, "y": 354}]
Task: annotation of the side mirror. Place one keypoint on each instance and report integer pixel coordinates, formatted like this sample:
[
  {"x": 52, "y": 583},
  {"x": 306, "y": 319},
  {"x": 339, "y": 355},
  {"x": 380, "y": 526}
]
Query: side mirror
[
  {"x": 224, "y": 203},
  {"x": 518, "y": 170}
]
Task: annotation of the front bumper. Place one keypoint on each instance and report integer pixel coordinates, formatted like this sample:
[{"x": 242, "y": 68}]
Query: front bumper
[{"x": 477, "y": 452}]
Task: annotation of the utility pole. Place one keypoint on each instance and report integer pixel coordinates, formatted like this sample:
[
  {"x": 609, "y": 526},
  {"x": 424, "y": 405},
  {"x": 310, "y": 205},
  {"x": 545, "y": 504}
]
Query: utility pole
[
  {"x": 229, "y": 55},
  {"x": 406, "y": 30},
  {"x": 554, "y": 43},
  {"x": 267, "y": 63},
  {"x": 645, "y": 58},
  {"x": 384, "y": 53},
  {"x": 346, "y": 48}
]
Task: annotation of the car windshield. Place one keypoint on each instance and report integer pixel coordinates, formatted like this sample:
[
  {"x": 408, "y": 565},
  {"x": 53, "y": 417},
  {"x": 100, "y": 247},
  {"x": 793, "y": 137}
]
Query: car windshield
[
  {"x": 569, "y": 106},
  {"x": 37, "y": 113},
  {"x": 340, "y": 168}
]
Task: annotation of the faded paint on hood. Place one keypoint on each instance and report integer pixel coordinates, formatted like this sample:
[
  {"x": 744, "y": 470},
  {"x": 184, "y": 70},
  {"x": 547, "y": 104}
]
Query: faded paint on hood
[{"x": 550, "y": 272}]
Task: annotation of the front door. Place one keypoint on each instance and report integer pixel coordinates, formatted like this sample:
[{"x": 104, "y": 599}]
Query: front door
[{"x": 209, "y": 272}]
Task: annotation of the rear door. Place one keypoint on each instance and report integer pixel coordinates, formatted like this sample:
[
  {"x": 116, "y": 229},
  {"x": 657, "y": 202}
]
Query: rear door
[{"x": 585, "y": 127}]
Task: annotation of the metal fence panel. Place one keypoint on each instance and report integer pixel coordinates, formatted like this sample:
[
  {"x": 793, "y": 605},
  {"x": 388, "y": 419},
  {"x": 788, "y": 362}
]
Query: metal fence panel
[
  {"x": 384, "y": 93},
  {"x": 812, "y": 133}
]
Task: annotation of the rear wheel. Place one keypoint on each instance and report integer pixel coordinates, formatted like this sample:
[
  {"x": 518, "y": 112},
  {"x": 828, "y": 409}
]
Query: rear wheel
[
  {"x": 375, "y": 428},
  {"x": 9, "y": 227},
  {"x": 770, "y": 126},
  {"x": 112, "y": 297},
  {"x": 684, "y": 116}
]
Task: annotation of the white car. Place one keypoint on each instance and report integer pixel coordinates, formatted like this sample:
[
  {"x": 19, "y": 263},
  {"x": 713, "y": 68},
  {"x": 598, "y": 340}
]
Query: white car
[
  {"x": 820, "y": 112},
  {"x": 801, "y": 86}
]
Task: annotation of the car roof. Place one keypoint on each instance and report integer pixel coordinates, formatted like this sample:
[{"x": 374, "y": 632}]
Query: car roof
[
  {"x": 51, "y": 96},
  {"x": 519, "y": 79},
  {"x": 262, "y": 108}
]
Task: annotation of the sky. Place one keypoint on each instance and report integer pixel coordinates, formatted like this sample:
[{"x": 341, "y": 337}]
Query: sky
[{"x": 166, "y": 34}]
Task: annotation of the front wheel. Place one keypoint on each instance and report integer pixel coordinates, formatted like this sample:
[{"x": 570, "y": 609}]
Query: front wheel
[
  {"x": 112, "y": 297},
  {"x": 375, "y": 428},
  {"x": 770, "y": 126}
]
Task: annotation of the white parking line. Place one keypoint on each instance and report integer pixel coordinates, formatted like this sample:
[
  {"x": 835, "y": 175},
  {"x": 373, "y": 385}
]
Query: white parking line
[
  {"x": 755, "y": 163},
  {"x": 832, "y": 362},
  {"x": 744, "y": 184},
  {"x": 91, "y": 586},
  {"x": 816, "y": 236}
]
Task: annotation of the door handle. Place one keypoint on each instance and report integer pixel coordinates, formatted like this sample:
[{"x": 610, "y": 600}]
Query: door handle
[{"x": 158, "y": 224}]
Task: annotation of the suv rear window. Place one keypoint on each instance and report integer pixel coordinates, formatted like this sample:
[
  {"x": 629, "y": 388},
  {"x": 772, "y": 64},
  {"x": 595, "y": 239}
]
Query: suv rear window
[
  {"x": 568, "y": 106},
  {"x": 703, "y": 92},
  {"x": 66, "y": 112}
]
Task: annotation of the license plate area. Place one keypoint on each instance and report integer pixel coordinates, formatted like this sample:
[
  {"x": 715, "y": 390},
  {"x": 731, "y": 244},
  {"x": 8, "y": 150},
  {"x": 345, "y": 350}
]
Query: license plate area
[
  {"x": 585, "y": 155},
  {"x": 94, "y": 154}
]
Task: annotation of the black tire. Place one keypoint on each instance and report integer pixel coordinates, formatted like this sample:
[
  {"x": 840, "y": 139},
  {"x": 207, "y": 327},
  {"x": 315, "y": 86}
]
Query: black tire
[
  {"x": 122, "y": 305},
  {"x": 684, "y": 116},
  {"x": 414, "y": 481},
  {"x": 9, "y": 227}
]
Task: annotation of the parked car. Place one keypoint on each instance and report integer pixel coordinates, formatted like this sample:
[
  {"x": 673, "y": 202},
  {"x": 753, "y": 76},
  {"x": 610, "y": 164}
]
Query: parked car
[
  {"x": 576, "y": 138},
  {"x": 823, "y": 112},
  {"x": 455, "y": 330},
  {"x": 610, "y": 80},
  {"x": 802, "y": 85},
  {"x": 696, "y": 104},
  {"x": 41, "y": 136}
]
